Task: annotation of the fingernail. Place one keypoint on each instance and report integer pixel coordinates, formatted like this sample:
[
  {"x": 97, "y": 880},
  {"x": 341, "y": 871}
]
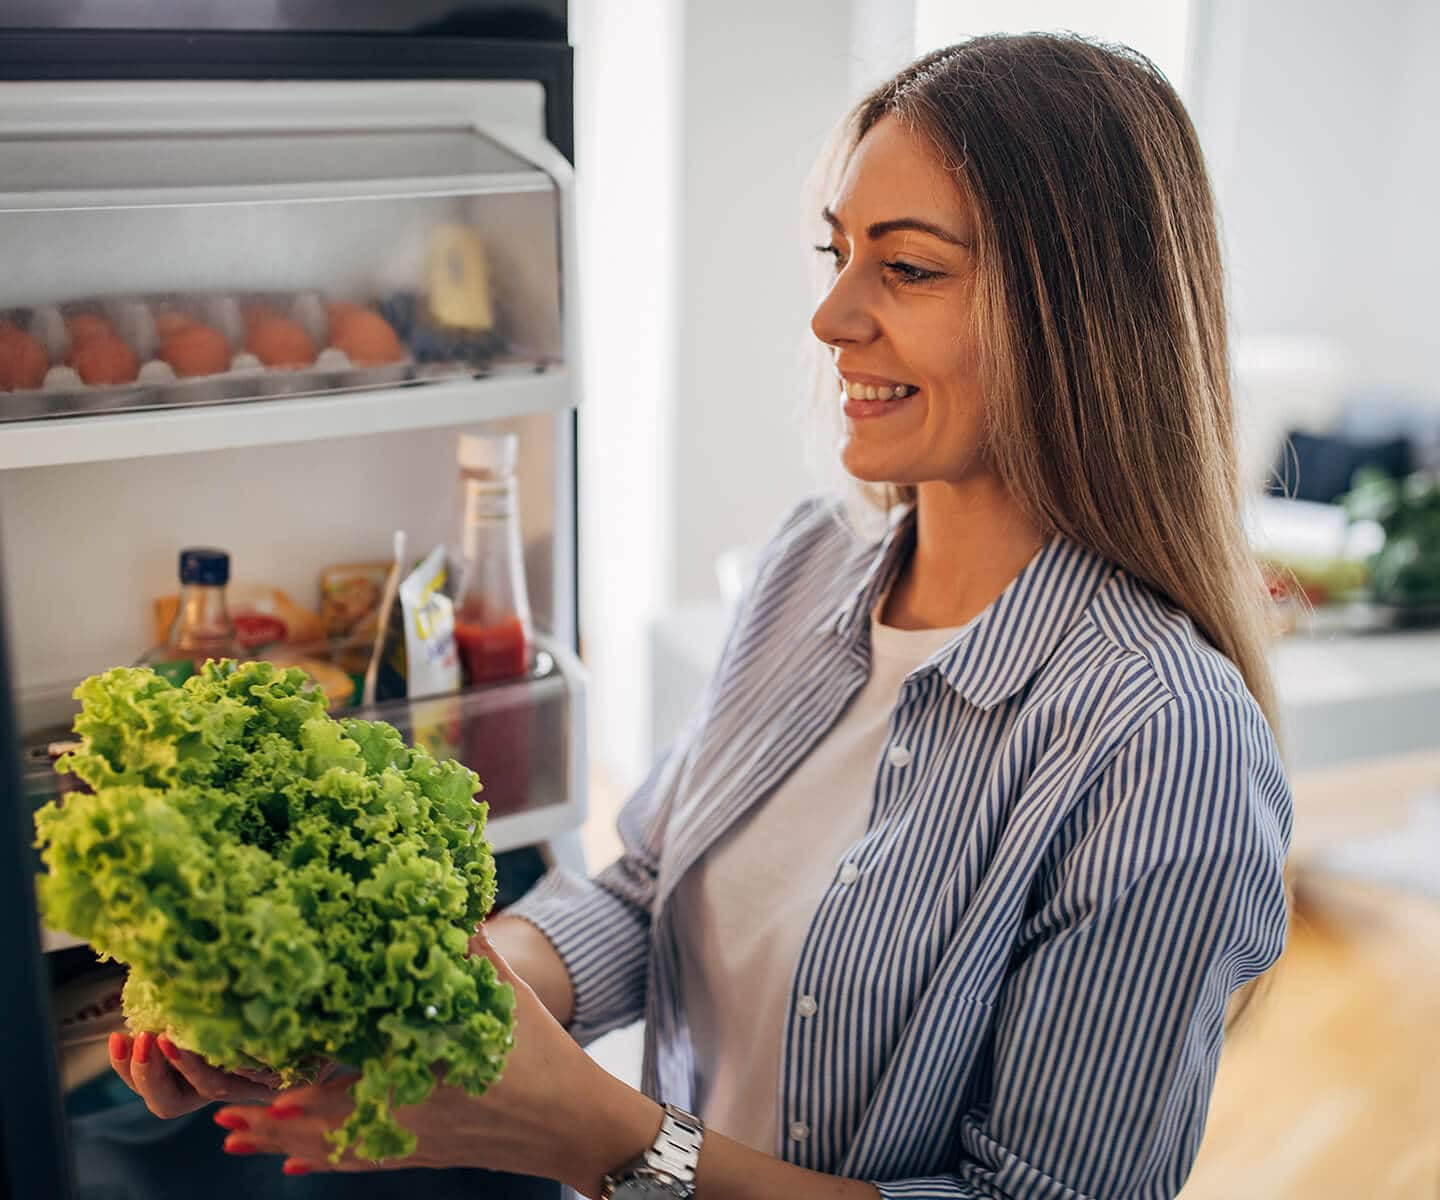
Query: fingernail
[
  {"x": 234, "y": 1145},
  {"x": 297, "y": 1168},
  {"x": 283, "y": 1110},
  {"x": 119, "y": 1047},
  {"x": 142, "y": 1047},
  {"x": 168, "y": 1048},
  {"x": 230, "y": 1120}
]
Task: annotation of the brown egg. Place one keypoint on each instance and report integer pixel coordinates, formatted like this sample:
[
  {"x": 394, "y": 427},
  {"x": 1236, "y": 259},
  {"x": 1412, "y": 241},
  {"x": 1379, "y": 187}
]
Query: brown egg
[
  {"x": 278, "y": 341},
  {"x": 337, "y": 310},
  {"x": 195, "y": 350},
  {"x": 261, "y": 314},
  {"x": 23, "y": 361},
  {"x": 85, "y": 327},
  {"x": 104, "y": 360},
  {"x": 172, "y": 322},
  {"x": 364, "y": 335}
]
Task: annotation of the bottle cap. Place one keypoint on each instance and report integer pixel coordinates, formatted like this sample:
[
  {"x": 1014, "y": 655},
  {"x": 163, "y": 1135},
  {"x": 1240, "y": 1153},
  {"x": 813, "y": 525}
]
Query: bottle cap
[
  {"x": 201, "y": 565},
  {"x": 493, "y": 453}
]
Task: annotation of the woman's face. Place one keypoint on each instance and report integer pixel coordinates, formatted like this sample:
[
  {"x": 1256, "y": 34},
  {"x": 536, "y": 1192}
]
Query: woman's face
[{"x": 900, "y": 312}]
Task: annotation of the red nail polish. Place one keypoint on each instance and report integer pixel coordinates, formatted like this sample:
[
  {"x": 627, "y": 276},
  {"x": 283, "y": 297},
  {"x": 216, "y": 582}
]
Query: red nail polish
[
  {"x": 234, "y": 1145},
  {"x": 142, "y": 1047},
  {"x": 283, "y": 1110},
  {"x": 230, "y": 1120},
  {"x": 168, "y": 1048},
  {"x": 119, "y": 1047},
  {"x": 296, "y": 1168}
]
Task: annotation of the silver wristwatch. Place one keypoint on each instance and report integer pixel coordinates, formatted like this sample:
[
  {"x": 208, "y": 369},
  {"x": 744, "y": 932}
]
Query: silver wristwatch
[{"x": 666, "y": 1171}]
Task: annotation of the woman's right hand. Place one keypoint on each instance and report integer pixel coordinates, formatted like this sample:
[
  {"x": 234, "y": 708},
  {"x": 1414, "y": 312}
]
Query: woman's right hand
[{"x": 173, "y": 1082}]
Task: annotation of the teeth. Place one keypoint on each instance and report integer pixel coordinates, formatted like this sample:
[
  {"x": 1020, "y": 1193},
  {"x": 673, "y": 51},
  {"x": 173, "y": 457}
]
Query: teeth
[{"x": 863, "y": 391}]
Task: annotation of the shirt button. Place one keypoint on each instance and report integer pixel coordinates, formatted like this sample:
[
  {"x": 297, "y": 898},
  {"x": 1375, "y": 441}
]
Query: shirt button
[
  {"x": 899, "y": 756},
  {"x": 806, "y": 1006},
  {"x": 849, "y": 873},
  {"x": 799, "y": 1131}
]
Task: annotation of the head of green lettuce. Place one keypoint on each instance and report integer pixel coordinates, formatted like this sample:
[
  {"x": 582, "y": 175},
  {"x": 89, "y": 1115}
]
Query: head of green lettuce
[{"x": 285, "y": 888}]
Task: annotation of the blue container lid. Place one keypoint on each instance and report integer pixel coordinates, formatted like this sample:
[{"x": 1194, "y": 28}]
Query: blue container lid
[{"x": 205, "y": 566}]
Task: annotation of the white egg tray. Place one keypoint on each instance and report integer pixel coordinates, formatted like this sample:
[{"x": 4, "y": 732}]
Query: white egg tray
[{"x": 64, "y": 393}]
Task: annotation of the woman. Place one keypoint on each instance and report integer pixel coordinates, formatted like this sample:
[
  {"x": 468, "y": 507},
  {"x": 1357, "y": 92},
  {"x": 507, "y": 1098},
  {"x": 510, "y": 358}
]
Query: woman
[{"x": 945, "y": 889}]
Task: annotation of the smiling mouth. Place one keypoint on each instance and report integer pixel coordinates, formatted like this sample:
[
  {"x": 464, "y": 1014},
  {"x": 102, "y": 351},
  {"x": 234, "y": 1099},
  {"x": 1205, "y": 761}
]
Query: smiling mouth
[{"x": 864, "y": 391}]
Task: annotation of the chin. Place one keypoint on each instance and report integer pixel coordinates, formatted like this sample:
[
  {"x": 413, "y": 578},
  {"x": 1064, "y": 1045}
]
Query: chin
[{"x": 869, "y": 467}]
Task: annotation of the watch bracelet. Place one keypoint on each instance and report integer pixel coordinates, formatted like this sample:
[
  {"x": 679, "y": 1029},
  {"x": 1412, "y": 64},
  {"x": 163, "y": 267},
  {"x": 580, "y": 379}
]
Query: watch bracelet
[{"x": 674, "y": 1155}]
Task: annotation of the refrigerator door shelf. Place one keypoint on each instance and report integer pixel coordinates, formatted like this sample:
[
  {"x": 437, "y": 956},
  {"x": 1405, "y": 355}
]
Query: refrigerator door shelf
[
  {"x": 524, "y": 738},
  {"x": 218, "y": 267},
  {"x": 110, "y": 436}
]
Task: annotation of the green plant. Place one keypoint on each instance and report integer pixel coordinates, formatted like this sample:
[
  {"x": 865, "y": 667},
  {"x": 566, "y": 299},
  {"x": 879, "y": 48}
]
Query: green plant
[{"x": 1406, "y": 570}]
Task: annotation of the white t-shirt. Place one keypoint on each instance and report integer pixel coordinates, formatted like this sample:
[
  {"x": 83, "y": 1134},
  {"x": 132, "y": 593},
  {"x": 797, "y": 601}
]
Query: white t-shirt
[{"x": 743, "y": 910}]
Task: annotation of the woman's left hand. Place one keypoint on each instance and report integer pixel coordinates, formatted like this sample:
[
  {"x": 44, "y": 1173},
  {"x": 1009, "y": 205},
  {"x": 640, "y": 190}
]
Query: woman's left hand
[{"x": 553, "y": 1113}]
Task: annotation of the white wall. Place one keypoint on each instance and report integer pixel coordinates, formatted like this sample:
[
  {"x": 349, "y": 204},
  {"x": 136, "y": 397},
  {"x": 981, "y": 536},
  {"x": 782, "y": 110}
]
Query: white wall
[
  {"x": 1320, "y": 122},
  {"x": 763, "y": 84},
  {"x": 627, "y": 70},
  {"x": 697, "y": 124},
  {"x": 1156, "y": 28}
]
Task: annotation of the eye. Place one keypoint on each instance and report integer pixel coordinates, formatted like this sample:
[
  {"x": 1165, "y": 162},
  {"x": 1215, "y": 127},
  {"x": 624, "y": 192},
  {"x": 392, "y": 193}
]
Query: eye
[
  {"x": 833, "y": 252},
  {"x": 908, "y": 273}
]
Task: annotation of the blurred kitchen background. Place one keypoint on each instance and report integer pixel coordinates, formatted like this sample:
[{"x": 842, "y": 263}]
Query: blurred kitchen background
[{"x": 697, "y": 123}]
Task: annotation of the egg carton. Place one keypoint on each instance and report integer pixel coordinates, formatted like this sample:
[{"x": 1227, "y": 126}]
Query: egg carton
[
  {"x": 333, "y": 367},
  {"x": 136, "y": 320}
]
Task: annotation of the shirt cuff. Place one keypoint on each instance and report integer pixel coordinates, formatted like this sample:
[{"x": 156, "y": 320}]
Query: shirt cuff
[{"x": 603, "y": 942}]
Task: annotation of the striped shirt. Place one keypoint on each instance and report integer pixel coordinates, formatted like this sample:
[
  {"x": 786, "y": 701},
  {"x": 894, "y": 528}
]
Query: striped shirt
[{"x": 1073, "y": 857}]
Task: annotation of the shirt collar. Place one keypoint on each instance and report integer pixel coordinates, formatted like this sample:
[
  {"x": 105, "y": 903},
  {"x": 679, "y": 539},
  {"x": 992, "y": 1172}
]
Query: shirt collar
[{"x": 999, "y": 652}]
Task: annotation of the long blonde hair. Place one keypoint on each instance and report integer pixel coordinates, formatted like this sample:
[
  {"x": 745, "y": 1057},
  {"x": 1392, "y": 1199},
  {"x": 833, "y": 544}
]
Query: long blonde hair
[{"x": 1100, "y": 312}]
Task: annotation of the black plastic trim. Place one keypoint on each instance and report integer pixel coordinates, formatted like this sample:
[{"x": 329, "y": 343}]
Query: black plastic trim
[{"x": 32, "y": 1131}]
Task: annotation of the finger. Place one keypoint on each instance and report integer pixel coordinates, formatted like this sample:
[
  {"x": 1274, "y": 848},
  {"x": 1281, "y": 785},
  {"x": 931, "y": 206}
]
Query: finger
[
  {"x": 120, "y": 1059},
  {"x": 166, "y": 1094},
  {"x": 209, "y": 1081},
  {"x": 329, "y": 1100},
  {"x": 302, "y": 1139}
]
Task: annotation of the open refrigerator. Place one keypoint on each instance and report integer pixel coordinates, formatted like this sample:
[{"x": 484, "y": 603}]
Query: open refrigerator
[{"x": 316, "y": 163}]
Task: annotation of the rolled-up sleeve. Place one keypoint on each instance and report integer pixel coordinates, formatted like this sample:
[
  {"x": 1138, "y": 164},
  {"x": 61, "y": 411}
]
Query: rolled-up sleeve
[{"x": 1162, "y": 895}]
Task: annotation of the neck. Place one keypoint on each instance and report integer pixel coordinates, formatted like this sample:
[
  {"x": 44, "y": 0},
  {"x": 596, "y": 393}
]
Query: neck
[{"x": 972, "y": 540}]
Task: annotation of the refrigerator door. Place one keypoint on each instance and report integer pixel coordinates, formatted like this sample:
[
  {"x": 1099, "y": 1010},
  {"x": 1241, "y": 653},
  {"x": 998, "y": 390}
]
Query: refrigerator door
[{"x": 132, "y": 214}]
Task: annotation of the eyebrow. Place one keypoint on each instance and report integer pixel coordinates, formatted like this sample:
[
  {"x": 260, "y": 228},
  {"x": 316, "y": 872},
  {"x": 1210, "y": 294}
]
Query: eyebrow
[{"x": 880, "y": 228}]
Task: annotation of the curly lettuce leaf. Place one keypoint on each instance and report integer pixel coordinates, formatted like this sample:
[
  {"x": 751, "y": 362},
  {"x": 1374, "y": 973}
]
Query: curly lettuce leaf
[{"x": 287, "y": 889}]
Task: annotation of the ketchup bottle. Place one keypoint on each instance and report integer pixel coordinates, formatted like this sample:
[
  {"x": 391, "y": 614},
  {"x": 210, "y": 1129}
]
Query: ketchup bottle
[
  {"x": 492, "y": 619},
  {"x": 492, "y": 607}
]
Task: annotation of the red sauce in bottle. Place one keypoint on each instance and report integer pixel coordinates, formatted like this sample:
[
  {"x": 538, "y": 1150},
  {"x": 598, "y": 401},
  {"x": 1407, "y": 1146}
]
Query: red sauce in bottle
[{"x": 490, "y": 651}]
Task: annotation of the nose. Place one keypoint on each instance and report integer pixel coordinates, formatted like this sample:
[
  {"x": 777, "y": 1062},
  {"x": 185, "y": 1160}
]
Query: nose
[{"x": 843, "y": 318}]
